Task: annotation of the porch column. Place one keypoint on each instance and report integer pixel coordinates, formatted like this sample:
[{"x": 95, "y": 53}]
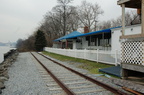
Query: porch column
[
  {"x": 103, "y": 44},
  {"x": 74, "y": 44},
  {"x": 61, "y": 45},
  {"x": 66, "y": 46},
  {"x": 142, "y": 18},
  {"x": 123, "y": 19}
]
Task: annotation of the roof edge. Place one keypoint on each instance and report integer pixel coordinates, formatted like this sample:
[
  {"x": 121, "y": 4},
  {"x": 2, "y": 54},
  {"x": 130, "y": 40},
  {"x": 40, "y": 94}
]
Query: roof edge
[{"x": 122, "y": 1}]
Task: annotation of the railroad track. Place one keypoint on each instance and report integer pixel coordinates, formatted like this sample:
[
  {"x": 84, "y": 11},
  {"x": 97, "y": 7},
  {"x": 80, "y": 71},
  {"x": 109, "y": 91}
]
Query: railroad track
[{"x": 71, "y": 82}]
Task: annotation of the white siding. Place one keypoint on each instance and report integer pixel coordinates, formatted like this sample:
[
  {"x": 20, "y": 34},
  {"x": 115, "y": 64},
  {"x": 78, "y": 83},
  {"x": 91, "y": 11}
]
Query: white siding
[
  {"x": 115, "y": 42},
  {"x": 74, "y": 44},
  {"x": 79, "y": 45},
  {"x": 84, "y": 43},
  {"x": 133, "y": 30},
  {"x": 116, "y": 33}
]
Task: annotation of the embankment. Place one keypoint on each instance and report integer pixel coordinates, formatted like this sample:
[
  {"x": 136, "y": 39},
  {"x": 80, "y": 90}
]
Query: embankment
[{"x": 9, "y": 58}]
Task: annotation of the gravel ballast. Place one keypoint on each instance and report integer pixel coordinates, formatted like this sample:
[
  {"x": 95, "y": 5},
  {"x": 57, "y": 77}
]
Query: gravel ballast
[
  {"x": 116, "y": 83},
  {"x": 24, "y": 78}
]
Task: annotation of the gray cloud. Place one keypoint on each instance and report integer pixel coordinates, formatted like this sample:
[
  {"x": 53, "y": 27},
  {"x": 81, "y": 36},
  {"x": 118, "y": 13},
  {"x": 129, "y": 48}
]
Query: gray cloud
[{"x": 19, "y": 18}]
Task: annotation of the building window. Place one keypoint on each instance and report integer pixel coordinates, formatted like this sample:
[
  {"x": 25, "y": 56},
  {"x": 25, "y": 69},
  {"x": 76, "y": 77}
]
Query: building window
[
  {"x": 92, "y": 41},
  {"x": 99, "y": 40}
]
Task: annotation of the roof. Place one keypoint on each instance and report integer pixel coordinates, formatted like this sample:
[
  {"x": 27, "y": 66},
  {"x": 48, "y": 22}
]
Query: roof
[
  {"x": 96, "y": 32},
  {"x": 72, "y": 34},
  {"x": 130, "y": 3},
  {"x": 78, "y": 34}
]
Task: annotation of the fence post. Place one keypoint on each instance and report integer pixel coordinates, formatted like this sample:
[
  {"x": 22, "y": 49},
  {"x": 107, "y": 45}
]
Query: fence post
[
  {"x": 97, "y": 55},
  {"x": 116, "y": 63},
  {"x": 65, "y": 52},
  {"x": 85, "y": 53},
  {"x": 75, "y": 53}
]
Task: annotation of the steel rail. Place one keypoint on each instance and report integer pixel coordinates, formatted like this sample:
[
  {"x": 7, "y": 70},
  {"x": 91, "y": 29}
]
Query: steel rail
[
  {"x": 63, "y": 86},
  {"x": 132, "y": 91},
  {"x": 108, "y": 87}
]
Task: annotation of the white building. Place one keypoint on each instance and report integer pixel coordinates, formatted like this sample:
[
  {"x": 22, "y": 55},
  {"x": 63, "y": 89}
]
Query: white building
[
  {"x": 107, "y": 39},
  {"x": 99, "y": 45},
  {"x": 132, "y": 41},
  {"x": 117, "y": 33}
]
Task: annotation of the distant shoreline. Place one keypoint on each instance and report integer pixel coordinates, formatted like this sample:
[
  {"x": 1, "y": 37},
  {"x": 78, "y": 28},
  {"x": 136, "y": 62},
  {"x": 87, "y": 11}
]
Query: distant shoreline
[{"x": 3, "y": 50}]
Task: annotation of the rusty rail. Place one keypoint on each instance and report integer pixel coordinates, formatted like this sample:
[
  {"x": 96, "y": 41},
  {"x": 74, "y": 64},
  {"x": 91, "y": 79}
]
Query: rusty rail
[
  {"x": 63, "y": 86},
  {"x": 132, "y": 91},
  {"x": 108, "y": 87}
]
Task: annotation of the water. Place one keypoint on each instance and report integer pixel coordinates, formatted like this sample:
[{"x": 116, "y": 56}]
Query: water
[{"x": 3, "y": 50}]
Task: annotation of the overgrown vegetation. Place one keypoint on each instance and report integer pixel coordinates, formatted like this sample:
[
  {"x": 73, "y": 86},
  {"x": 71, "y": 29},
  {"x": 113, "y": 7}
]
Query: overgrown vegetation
[
  {"x": 35, "y": 42},
  {"x": 27, "y": 44},
  {"x": 40, "y": 41},
  {"x": 92, "y": 67}
]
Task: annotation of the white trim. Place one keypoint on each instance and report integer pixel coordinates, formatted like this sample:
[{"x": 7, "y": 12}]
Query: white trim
[
  {"x": 122, "y": 1},
  {"x": 123, "y": 19},
  {"x": 126, "y": 27},
  {"x": 142, "y": 18}
]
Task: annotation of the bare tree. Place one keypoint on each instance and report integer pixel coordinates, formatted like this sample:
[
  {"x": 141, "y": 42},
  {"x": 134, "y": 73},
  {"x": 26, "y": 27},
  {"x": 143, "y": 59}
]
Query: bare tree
[
  {"x": 63, "y": 6},
  {"x": 88, "y": 14},
  {"x": 105, "y": 25},
  {"x": 56, "y": 24},
  {"x": 130, "y": 18},
  {"x": 116, "y": 22},
  {"x": 53, "y": 24}
]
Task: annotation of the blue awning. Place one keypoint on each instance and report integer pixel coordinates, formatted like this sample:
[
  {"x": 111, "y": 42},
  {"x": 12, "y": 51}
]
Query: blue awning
[
  {"x": 91, "y": 33},
  {"x": 96, "y": 32},
  {"x": 71, "y": 35},
  {"x": 78, "y": 34}
]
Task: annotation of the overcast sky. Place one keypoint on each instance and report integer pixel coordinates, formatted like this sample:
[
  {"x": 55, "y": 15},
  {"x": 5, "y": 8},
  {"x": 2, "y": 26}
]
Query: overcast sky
[{"x": 20, "y": 18}]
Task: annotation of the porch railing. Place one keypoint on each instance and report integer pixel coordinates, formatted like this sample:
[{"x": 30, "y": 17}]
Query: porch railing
[{"x": 109, "y": 57}]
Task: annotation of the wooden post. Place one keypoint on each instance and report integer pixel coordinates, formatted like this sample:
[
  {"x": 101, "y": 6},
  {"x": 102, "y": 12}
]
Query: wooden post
[
  {"x": 123, "y": 19},
  {"x": 97, "y": 55},
  {"x": 85, "y": 53},
  {"x": 124, "y": 73},
  {"x": 90, "y": 42},
  {"x": 116, "y": 57},
  {"x": 66, "y": 44},
  {"x": 103, "y": 41},
  {"x": 142, "y": 18},
  {"x": 61, "y": 44}
]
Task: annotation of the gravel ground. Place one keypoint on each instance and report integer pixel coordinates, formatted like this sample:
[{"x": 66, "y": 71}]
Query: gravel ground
[
  {"x": 24, "y": 78},
  {"x": 117, "y": 83},
  {"x": 74, "y": 83}
]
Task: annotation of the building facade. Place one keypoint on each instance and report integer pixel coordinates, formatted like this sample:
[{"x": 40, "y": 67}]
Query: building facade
[
  {"x": 132, "y": 44},
  {"x": 107, "y": 39}
]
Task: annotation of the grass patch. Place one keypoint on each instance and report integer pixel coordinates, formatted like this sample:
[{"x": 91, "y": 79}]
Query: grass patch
[{"x": 91, "y": 66}]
